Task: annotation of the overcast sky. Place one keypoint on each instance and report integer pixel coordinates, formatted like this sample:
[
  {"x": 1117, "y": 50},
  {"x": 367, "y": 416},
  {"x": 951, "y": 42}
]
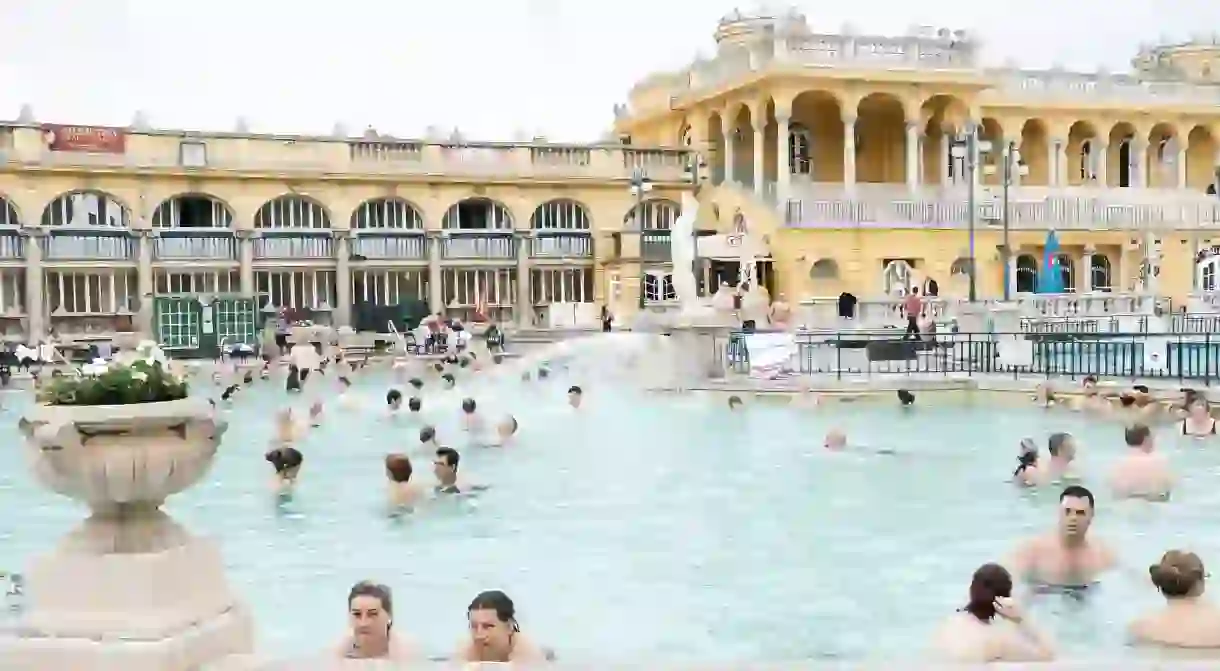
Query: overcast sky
[{"x": 489, "y": 67}]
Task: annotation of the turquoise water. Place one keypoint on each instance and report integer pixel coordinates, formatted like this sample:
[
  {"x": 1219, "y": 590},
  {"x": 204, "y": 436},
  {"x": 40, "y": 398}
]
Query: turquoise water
[{"x": 650, "y": 527}]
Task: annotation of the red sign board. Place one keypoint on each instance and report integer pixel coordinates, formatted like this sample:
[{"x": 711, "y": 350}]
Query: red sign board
[{"x": 98, "y": 139}]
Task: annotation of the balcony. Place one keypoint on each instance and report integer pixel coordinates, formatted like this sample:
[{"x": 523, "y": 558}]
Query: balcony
[
  {"x": 654, "y": 247},
  {"x": 390, "y": 247},
  {"x": 479, "y": 246},
  {"x": 1035, "y": 207},
  {"x": 92, "y": 246},
  {"x": 561, "y": 246},
  {"x": 195, "y": 245},
  {"x": 296, "y": 246}
]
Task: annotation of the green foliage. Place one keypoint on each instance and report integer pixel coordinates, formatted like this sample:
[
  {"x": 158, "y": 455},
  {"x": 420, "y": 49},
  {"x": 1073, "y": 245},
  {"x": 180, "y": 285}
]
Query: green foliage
[{"x": 141, "y": 382}]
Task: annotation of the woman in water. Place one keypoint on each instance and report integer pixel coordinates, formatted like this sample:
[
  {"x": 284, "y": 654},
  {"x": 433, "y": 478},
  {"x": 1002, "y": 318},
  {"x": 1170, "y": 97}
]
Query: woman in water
[
  {"x": 287, "y": 462},
  {"x": 403, "y": 492},
  {"x": 1198, "y": 422},
  {"x": 991, "y": 627},
  {"x": 1187, "y": 620},
  {"x": 371, "y": 616},
  {"x": 495, "y": 635},
  {"x": 1028, "y": 474}
]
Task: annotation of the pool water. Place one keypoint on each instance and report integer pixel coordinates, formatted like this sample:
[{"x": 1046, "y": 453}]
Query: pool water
[{"x": 655, "y": 527}]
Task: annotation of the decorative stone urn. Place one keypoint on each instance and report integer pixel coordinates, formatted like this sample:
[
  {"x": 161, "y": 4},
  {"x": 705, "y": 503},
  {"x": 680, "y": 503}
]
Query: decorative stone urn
[{"x": 129, "y": 589}]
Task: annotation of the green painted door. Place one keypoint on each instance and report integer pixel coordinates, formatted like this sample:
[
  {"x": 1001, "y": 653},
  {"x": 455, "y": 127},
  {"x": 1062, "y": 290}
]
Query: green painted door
[{"x": 177, "y": 323}]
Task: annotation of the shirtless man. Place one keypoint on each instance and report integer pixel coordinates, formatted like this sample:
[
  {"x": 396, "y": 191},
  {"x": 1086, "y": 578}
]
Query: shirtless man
[
  {"x": 1068, "y": 557},
  {"x": 1142, "y": 473}
]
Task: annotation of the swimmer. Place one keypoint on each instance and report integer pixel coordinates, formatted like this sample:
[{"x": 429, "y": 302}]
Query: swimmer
[
  {"x": 427, "y": 439},
  {"x": 505, "y": 431},
  {"x": 403, "y": 493},
  {"x": 1142, "y": 473},
  {"x": 248, "y": 378},
  {"x": 1187, "y": 621},
  {"x": 1044, "y": 397},
  {"x": 415, "y": 411},
  {"x": 416, "y": 384},
  {"x": 1062, "y": 447},
  {"x": 472, "y": 421},
  {"x": 991, "y": 627},
  {"x": 543, "y": 373},
  {"x": 495, "y": 635},
  {"x": 287, "y": 462},
  {"x": 1090, "y": 398},
  {"x": 735, "y": 403},
  {"x": 438, "y": 368},
  {"x": 315, "y": 414},
  {"x": 1027, "y": 474},
  {"x": 1067, "y": 557},
  {"x": 1198, "y": 422},
  {"x": 371, "y": 618},
  {"x": 393, "y": 401},
  {"x": 230, "y": 392},
  {"x": 906, "y": 398},
  {"x": 575, "y": 395},
  {"x": 448, "y": 381},
  {"x": 445, "y": 467}
]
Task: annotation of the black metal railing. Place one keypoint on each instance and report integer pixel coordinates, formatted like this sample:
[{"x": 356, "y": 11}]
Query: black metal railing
[{"x": 1176, "y": 356}]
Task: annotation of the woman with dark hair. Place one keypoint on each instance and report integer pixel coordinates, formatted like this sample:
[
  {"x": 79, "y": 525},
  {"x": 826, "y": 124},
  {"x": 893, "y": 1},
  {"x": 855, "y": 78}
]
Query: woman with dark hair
[
  {"x": 1028, "y": 472},
  {"x": 991, "y": 627},
  {"x": 495, "y": 635},
  {"x": 287, "y": 463},
  {"x": 371, "y": 615}
]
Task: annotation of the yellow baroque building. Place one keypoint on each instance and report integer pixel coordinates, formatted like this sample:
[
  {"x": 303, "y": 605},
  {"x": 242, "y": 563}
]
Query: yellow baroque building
[
  {"x": 96, "y": 223},
  {"x": 856, "y": 158}
]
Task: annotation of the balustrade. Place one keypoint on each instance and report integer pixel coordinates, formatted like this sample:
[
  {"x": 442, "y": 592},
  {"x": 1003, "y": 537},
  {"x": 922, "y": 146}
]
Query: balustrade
[
  {"x": 390, "y": 247},
  {"x": 173, "y": 247},
  {"x": 498, "y": 247},
  {"x": 12, "y": 247},
  {"x": 119, "y": 246},
  {"x": 579, "y": 246},
  {"x": 294, "y": 246}
]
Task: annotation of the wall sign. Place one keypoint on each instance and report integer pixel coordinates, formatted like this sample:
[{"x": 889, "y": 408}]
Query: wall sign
[{"x": 96, "y": 139}]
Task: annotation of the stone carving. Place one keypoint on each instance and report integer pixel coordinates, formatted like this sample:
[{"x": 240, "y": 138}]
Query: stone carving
[{"x": 111, "y": 595}]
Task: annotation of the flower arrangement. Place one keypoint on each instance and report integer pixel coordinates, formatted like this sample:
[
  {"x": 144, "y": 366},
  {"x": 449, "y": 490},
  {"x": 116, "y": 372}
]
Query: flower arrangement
[{"x": 139, "y": 376}]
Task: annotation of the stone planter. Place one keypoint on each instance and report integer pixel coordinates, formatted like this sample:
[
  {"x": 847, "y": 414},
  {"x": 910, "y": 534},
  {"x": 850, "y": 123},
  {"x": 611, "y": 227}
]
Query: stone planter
[{"x": 129, "y": 589}]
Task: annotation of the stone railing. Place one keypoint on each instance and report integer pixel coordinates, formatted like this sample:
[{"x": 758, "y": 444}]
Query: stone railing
[
  {"x": 1057, "y": 85},
  {"x": 163, "y": 150},
  {"x": 1034, "y": 207},
  {"x": 823, "y": 313}
]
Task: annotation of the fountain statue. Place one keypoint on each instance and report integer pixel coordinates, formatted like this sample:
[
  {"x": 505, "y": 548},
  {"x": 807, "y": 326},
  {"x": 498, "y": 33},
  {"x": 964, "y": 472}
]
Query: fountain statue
[{"x": 692, "y": 310}]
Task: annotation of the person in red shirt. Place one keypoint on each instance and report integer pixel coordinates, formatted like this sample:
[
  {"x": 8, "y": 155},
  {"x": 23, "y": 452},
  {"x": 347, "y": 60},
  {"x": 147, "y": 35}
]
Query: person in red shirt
[{"x": 913, "y": 306}]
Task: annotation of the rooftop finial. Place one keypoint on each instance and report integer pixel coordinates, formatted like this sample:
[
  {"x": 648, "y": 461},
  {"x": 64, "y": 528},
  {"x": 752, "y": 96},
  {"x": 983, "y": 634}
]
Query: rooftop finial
[
  {"x": 26, "y": 115},
  {"x": 139, "y": 121}
]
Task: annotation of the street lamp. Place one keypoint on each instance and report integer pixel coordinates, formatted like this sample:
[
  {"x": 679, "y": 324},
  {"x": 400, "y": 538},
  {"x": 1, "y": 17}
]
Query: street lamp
[
  {"x": 966, "y": 146},
  {"x": 640, "y": 186},
  {"x": 1011, "y": 167}
]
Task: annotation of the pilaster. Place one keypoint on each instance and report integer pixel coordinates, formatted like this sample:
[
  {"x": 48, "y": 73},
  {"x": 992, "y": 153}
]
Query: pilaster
[{"x": 36, "y": 328}]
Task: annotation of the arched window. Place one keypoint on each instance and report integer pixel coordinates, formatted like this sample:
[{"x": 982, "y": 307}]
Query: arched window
[
  {"x": 653, "y": 215},
  {"x": 1100, "y": 269},
  {"x": 393, "y": 214},
  {"x": 192, "y": 210},
  {"x": 86, "y": 208},
  {"x": 1027, "y": 274},
  {"x": 800, "y": 146},
  {"x": 561, "y": 214},
  {"x": 292, "y": 211},
  {"x": 479, "y": 214}
]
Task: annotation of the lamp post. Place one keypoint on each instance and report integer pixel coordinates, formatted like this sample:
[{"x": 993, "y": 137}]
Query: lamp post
[
  {"x": 640, "y": 186},
  {"x": 966, "y": 146},
  {"x": 1011, "y": 166}
]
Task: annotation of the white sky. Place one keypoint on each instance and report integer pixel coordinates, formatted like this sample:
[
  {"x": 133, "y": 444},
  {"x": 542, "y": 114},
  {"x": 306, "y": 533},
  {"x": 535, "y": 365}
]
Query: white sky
[{"x": 488, "y": 67}]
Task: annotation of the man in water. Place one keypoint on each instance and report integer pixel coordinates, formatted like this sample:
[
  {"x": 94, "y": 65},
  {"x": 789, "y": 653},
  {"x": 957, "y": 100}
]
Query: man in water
[
  {"x": 1062, "y": 447},
  {"x": 446, "y": 467},
  {"x": 575, "y": 394},
  {"x": 393, "y": 401},
  {"x": 1142, "y": 473},
  {"x": 1067, "y": 557},
  {"x": 735, "y": 403},
  {"x": 449, "y": 381}
]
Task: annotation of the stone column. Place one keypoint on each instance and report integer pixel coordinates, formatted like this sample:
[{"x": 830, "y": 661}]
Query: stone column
[
  {"x": 1086, "y": 274},
  {"x": 760, "y": 134},
  {"x": 912, "y": 156},
  {"x": 343, "y": 279},
  {"x": 849, "y": 151},
  {"x": 144, "y": 282},
  {"x": 436, "y": 298},
  {"x": 36, "y": 328},
  {"x": 525, "y": 307},
  {"x": 1101, "y": 162},
  {"x": 783, "y": 157},
  {"x": 945, "y": 152},
  {"x": 1012, "y": 274},
  {"x": 727, "y": 131},
  {"x": 245, "y": 259},
  {"x": 1052, "y": 162},
  {"x": 1180, "y": 161}
]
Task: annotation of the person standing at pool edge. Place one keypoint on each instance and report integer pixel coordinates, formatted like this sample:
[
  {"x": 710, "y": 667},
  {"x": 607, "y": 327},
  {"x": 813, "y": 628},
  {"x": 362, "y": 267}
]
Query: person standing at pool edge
[
  {"x": 1067, "y": 557},
  {"x": 913, "y": 306}
]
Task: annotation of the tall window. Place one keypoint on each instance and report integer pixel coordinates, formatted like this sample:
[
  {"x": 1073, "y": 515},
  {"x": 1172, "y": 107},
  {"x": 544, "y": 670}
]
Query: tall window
[{"x": 800, "y": 143}]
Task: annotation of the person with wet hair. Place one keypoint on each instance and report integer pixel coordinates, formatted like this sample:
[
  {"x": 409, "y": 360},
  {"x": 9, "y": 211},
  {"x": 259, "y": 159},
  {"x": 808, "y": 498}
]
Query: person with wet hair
[
  {"x": 906, "y": 398},
  {"x": 1187, "y": 621},
  {"x": 403, "y": 491},
  {"x": 495, "y": 635},
  {"x": 991, "y": 627},
  {"x": 735, "y": 403},
  {"x": 1067, "y": 559},
  {"x": 1027, "y": 474},
  {"x": 445, "y": 467},
  {"x": 1143, "y": 472},
  {"x": 287, "y": 463},
  {"x": 1062, "y": 448},
  {"x": 416, "y": 384},
  {"x": 427, "y": 440},
  {"x": 449, "y": 381},
  {"x": 371, "y": 620},
  {"x": 506, "y": 430},
  {"x": 575, "y": 396},
  {"x": 393, "y": 400},
  {"x": 229, "y": 392}
]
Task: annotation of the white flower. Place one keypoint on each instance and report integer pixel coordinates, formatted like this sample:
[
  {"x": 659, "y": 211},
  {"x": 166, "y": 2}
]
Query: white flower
[
  {"x": 94, "y": 368},
  {"x": 139, "y": 376}
]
